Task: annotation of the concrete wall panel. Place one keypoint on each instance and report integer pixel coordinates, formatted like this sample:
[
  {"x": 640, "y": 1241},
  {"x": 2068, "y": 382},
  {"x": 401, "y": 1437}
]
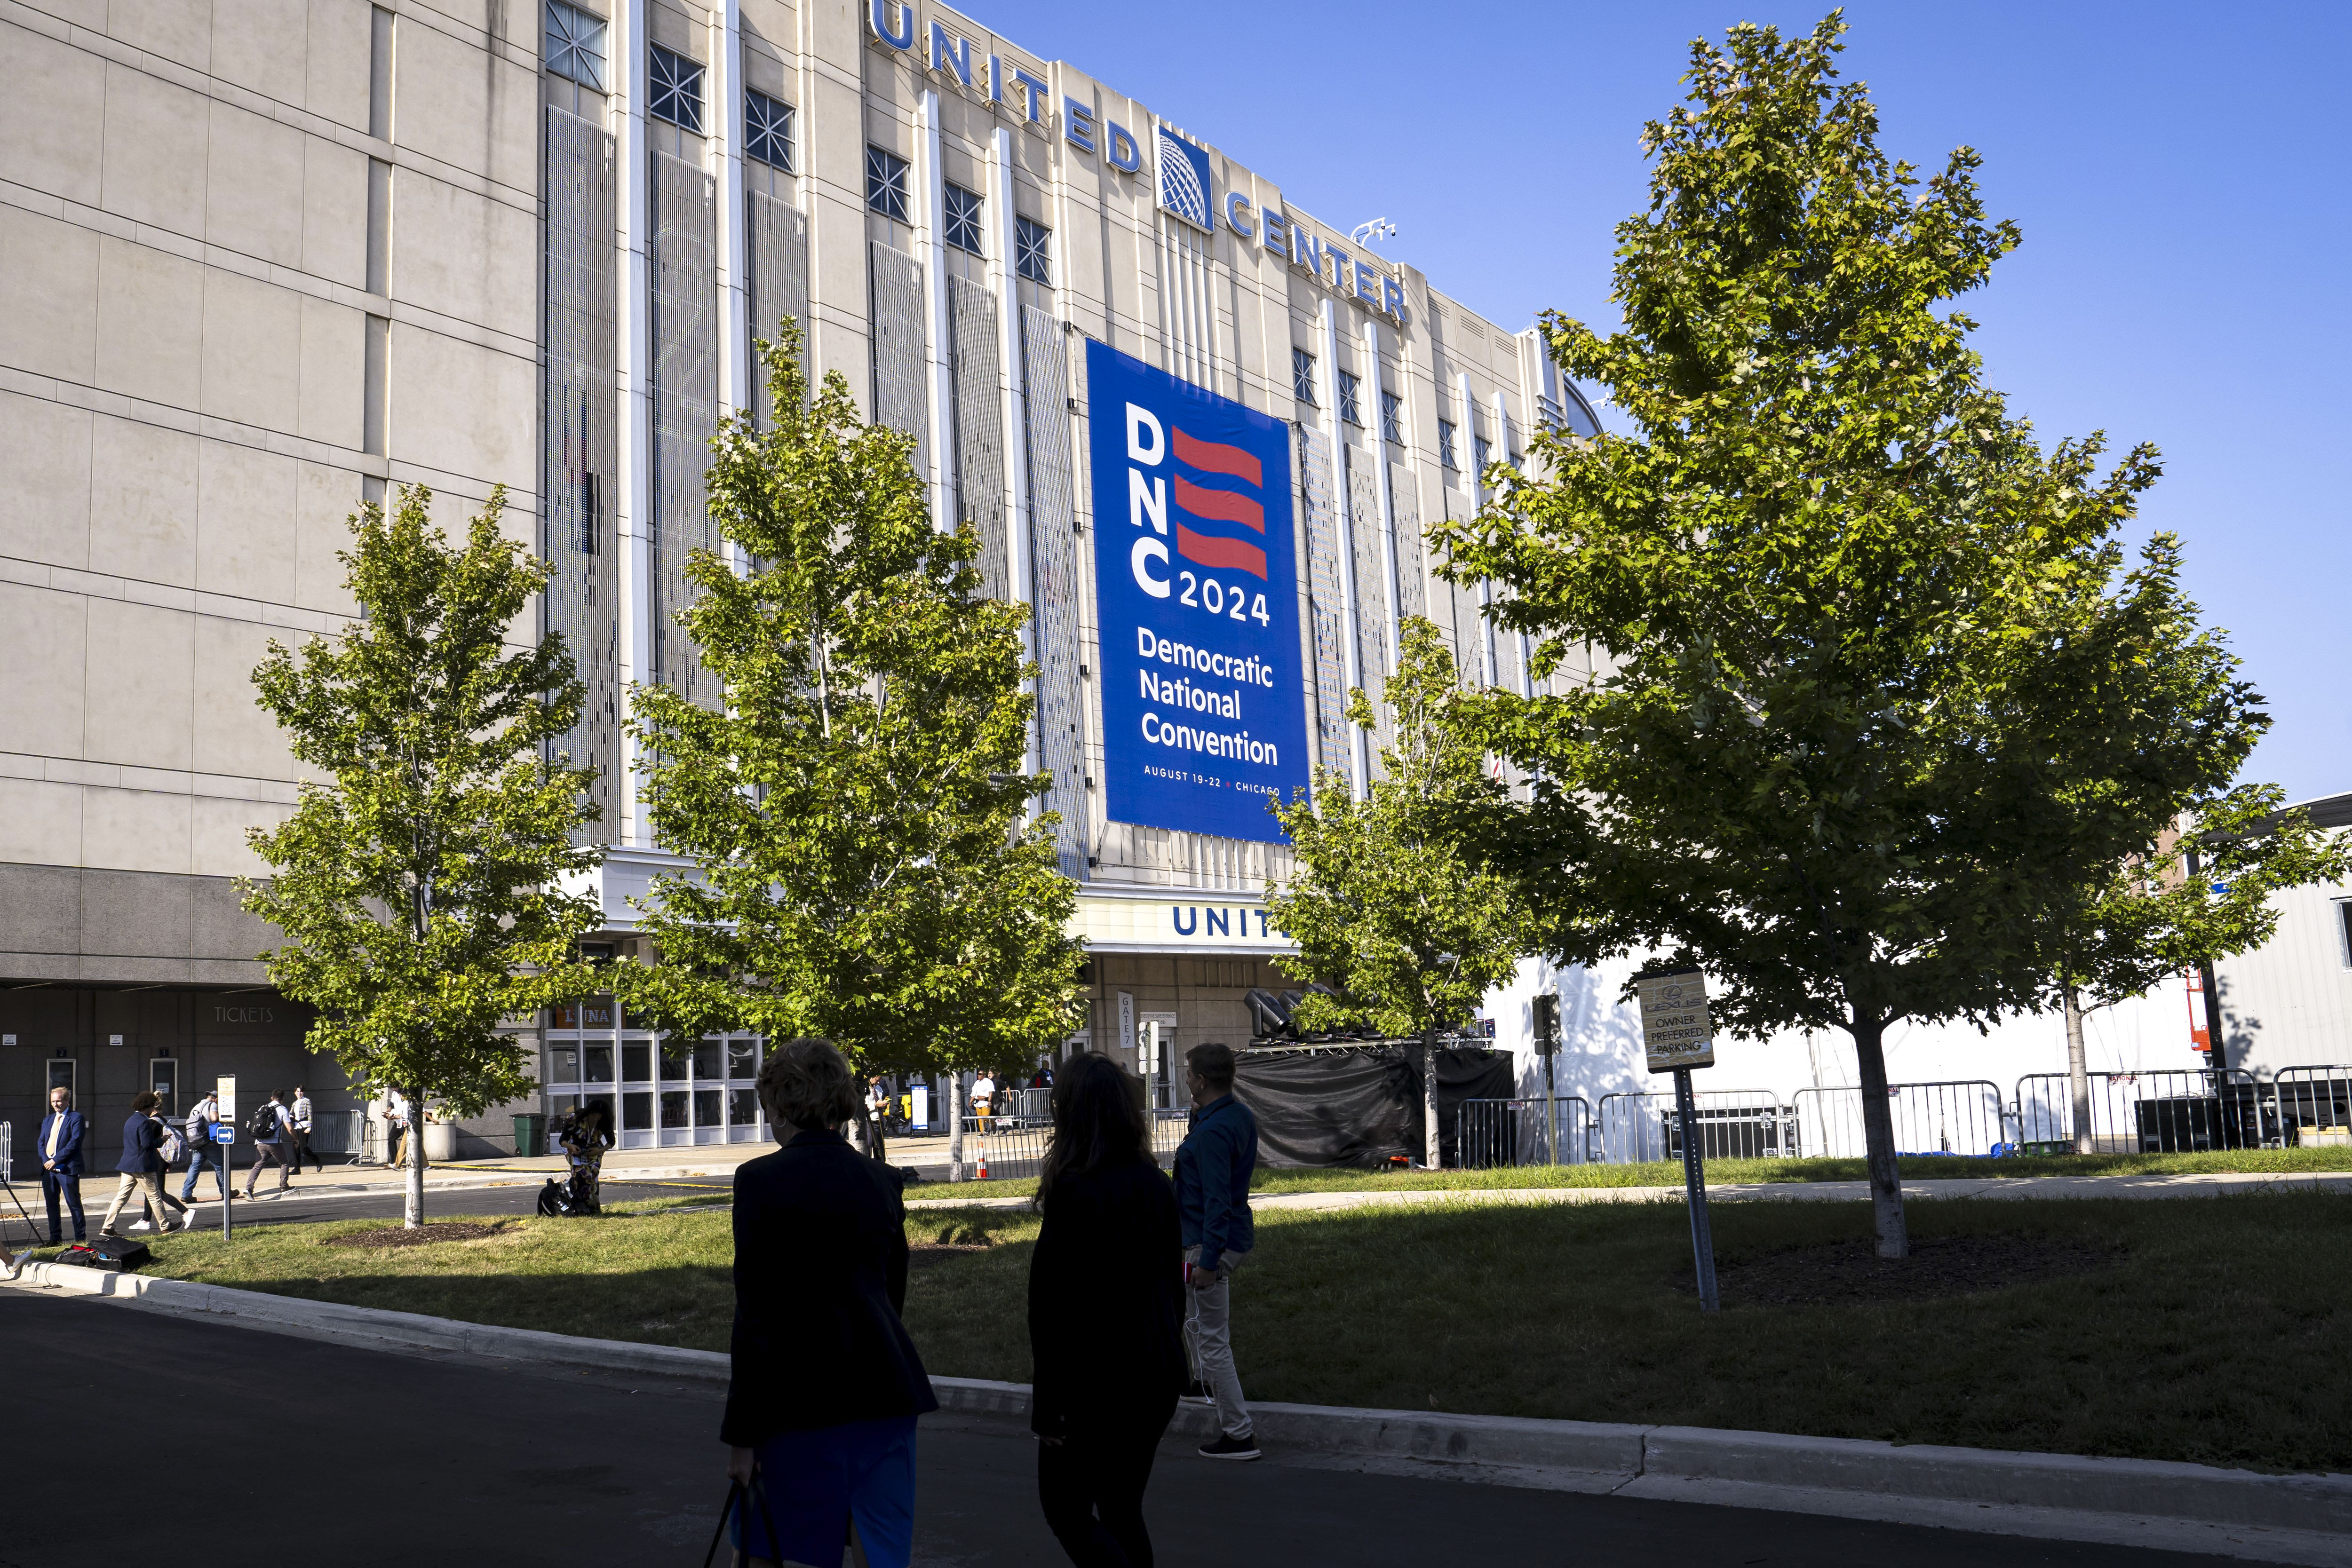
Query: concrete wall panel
[
  {"x": 233, "y": 734},
  {"x": 41, "y": 648},
  {"x": 39, "y": 823},
  {"x": 253, "y": 351},
  {"x": 155, "y": 151},
  {"x": 335, "y": 61},
  {"x": 324, "y": 501},
  {"x": 458, "y": 254},
  {"x": 48, "y": 296},
  {"x": 142, "y": 501},
  {"x": 179, "y": 30},
  {"x": 463, "y": 409},
  {"x": 334, "y": 211},
  {"x": 253, "y": 186},
  {"x": 50, "y": 116},
  {"x": 245, "y": 523},
  {"x": 259, "y": 45},
  {"x": 150, "y": 335},
  {"x": 334, "y": 362},
  {"x": 44, "y": 483},
  {"x": 139, "y": 680}
]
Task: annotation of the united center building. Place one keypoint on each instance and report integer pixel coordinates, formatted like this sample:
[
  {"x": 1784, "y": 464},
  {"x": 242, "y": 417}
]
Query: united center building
[{"x": 260, "y": 259}]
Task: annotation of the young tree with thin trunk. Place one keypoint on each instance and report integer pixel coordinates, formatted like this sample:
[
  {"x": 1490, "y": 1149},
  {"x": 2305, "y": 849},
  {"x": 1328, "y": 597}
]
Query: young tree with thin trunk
[
  {"x": 2183, "y": 902},
  {"x": 864, "y": 868},
  {"x": 1389, "y": 900},
  {"x": 419, "y": 886},
  {"x": 1882, "y": 691}
]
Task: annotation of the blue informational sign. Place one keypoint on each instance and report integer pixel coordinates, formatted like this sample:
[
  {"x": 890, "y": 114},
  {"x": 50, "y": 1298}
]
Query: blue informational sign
[
  {"x": 224, "y": 1132},
  {"x": 1196, "y": 592}
]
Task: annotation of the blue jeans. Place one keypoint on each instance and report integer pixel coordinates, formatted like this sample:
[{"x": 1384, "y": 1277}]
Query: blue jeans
[
  {"x": 199, "y": 1156},
  {"x": 68, "y": 1184},
  {"x": 819, "y": 1482}
]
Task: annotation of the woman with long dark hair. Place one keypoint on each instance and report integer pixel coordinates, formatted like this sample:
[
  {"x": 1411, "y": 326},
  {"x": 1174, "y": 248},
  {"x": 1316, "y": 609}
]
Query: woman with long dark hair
[{"x": 1106, "y": 1310}]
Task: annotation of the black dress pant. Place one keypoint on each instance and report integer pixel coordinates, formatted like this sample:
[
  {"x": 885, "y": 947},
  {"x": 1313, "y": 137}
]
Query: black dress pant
[{"x": 1091, "y": 1485}]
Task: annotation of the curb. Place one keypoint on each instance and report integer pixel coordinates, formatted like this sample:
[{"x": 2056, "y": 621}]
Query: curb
[{"x": 1588, "y": 1455}]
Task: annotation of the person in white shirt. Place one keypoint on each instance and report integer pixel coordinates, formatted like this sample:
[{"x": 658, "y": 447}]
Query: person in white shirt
[
  {"x": 271, "y": 1135},
  {"x": 297, "y": 1116},
  {"x": 983, "y": 1098},
  {"x": 395, "y": 1125},
  {"x": 203, "y": 1151}
]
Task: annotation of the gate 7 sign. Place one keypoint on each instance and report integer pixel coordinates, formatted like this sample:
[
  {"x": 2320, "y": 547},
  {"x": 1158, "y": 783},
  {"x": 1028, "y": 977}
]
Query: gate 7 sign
[{"x": 1196, "y": 592}]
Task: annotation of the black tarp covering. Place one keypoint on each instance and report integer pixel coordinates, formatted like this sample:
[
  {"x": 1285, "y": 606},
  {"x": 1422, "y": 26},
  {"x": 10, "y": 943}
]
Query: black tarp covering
[{"x": 1358, "y": 1107}]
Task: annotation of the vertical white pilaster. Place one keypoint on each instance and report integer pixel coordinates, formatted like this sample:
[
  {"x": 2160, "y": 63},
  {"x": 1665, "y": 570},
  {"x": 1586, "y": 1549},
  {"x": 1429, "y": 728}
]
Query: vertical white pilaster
[
  {"x": 1392, "y": 575},
  {"x": 1327, "y": 375},
  {"x": 734, "y": 278},
  {"x": 1503, "y": 455},
  {"x": 1017, "y": 522},
  {"x": 633, "y": 519},
  {"x": 930, "y": 243}
]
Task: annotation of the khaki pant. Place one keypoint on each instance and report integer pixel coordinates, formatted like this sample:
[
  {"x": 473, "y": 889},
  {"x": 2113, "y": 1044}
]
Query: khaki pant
[
  {"x": 148, "y": 1185},
  {"x": 1209, "y": 1337}
]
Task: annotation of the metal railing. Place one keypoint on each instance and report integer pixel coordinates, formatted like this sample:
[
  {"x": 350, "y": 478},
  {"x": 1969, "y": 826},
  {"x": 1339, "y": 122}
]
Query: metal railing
[
  {"x": 1961, "y": 1117},
  {"x": 2168, "y": 1111},
  {"x": 7, "y": 1152},
  {"x": 1491, "y": 1133},
  {"x": 2313, "y": 1104},
  {"x": 1732, "y": 1123},
  {"x": 1017, "y": 1147}
]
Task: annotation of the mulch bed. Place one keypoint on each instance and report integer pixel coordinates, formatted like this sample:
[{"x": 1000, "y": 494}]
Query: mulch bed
[
  {"x": 1847, "y": 1273},
  {"x": 423, "y": 1236}
]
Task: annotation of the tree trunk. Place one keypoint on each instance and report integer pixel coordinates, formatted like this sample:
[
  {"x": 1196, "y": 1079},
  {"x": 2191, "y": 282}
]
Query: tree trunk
[
  {"x": 1878, "y": 1139},
  {"x": 2078, "y": 1072},
  {"x": 1433, "y": 1152},
  {"x": 955, "y": 1126},
  {"x": 412, "y": 1214}
]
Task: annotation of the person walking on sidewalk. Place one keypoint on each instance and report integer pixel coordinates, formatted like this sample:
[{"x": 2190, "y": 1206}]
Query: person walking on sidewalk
[
  {"x": 140, "y": 1166},
  {"x": 271, "y": 1131},
  {"x": 298, "y": 1119},
  {"x": 1106, "y": 1310},
  {"x": 204, "y": 1150},
  {"x": 825, "y": 1384},
  {"x": 1213, "y": 1179},
  {"x": 60, "y": 1145}
]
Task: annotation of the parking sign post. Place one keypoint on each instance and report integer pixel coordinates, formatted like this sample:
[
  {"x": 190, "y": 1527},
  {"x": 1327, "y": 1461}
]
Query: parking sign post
[{"x": 1678, "y": 1037}]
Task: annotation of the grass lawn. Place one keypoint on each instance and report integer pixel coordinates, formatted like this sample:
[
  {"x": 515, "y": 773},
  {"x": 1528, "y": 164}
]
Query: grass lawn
[
  {"x": 1669, "y": 1173},
  {"x": 2211, "y": 1330}
]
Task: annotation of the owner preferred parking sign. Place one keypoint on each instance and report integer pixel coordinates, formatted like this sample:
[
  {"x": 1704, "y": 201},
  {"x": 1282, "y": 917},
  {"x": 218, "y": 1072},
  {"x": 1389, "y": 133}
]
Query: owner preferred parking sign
[{"x": 1196, "y": 592}]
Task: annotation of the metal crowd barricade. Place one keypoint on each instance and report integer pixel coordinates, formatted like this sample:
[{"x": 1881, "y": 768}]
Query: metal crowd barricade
[
  {"x": 1959, "y": 1116},
  {"x": 2165, "y": 1111},
  {"x": 1491, "y": 1133},
  {"x": 1009, "y": 1149},
  {"x": 7, "y": 1152},
  {"x": 2313, "y": 1105},
  {"x": 1733, "y": 1123}
]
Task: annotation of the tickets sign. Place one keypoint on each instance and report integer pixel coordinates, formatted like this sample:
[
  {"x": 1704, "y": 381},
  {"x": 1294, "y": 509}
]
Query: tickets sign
[{"x": 1675, "y": 1030}]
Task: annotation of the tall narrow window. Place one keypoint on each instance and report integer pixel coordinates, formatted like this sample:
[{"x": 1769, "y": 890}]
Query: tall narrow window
[
  {"x": 1445, "y": 444},
  {"x": 1349, "y": 409},
  {"x": 1480, "y": 452},
  {"x": 575, "y": 44},
  {"x": 677, "y": 94},
  {"x": 885, "y": 184},
  {"x": 1392, "y": 418},
  {"x": 1033, "y": 251},
  {"x": 1302, "y": 376},
  {"x": 768, "y": 131},
  {"x": 962, "y": 229}
]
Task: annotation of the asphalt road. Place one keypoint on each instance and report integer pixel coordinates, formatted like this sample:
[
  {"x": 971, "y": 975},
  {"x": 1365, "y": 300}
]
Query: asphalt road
[{"x": 390, "y": 1459}]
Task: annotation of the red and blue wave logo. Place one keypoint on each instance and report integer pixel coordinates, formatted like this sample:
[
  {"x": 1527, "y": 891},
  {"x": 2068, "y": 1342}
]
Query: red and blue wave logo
[{"x": 1218, "y": 486}]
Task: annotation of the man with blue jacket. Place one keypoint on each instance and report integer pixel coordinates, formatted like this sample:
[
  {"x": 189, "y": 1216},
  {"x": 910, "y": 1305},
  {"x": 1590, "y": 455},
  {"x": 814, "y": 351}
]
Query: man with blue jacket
[
  {"x": 1212, "y": 1179},
  {"x": 60, "y": 1146}
]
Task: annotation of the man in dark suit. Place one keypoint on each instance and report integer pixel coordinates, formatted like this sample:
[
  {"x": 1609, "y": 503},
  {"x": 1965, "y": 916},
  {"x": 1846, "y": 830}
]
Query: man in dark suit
[{"x": 60, "y": 1146}]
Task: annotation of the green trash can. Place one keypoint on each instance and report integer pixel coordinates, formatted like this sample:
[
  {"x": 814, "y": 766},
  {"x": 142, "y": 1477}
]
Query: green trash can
[{"x": 530, "y": 1134}]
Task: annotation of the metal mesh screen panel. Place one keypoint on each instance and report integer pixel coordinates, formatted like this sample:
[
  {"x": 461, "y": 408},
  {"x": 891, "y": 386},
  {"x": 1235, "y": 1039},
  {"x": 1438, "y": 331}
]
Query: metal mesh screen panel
[
  {"x": 1371, "y": 583},
  {"x": 778, "y": 233},
  {"x": 896, "y": 280},
  {"x": 1054, "y": 552},
  {"x": 979, "y": 429},
  {"x": 580, "y": 462},
  {"x": 1404, "y": 500},
  {"x": 686, "y": 407},
  {"x": 1325, "y": 606}
]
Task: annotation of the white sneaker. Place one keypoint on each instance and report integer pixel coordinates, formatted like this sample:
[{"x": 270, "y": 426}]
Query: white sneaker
[
  {"x": 188, "y": 1220},
  {"x": 17, "y": 1265},
  {"x": 142, "y": 1225}
]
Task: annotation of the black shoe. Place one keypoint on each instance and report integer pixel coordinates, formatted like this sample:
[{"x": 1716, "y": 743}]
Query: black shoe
[{"x": 1226, "y": 1448}]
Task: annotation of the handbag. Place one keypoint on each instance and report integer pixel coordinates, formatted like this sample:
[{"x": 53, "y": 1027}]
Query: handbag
[{"x": 736, "y": 1492}]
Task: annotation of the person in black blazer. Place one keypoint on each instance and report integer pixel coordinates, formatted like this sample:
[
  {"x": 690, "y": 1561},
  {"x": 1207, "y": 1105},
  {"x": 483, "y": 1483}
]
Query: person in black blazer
[
  {"x": 60, "y": 1145},
  {"x": 825, "y": 1384},
  {"x": 142, "y": 1165},
  {"x": 1106, "y": 1316}
]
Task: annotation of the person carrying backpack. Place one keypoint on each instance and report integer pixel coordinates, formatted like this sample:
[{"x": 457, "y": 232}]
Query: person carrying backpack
[
  {"x": 203, "y": 1151},
  {"x": 271, "y": 1129}
]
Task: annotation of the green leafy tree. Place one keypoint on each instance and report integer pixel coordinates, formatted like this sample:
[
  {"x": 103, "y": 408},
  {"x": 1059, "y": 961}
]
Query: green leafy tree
[
  {"x": 2149, "y": 919},
  {"x": 862, "y": 869},
  {"x": 1389, "y": 899},
  {"x": 1881, "y": 691},
  {"x": 421, "y": 889}
]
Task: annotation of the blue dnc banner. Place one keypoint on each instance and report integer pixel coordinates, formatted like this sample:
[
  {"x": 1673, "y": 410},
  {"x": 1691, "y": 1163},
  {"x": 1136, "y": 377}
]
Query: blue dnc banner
[{"x": 1196, "y": 592}]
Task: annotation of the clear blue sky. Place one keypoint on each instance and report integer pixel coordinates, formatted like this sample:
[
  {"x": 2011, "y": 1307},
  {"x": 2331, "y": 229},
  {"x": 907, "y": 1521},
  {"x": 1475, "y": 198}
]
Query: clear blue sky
[{"x": 2179, "y": 174}]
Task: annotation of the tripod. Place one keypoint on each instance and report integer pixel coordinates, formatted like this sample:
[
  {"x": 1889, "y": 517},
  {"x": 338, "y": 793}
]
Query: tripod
[{"x": 32, "y": 1232}]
